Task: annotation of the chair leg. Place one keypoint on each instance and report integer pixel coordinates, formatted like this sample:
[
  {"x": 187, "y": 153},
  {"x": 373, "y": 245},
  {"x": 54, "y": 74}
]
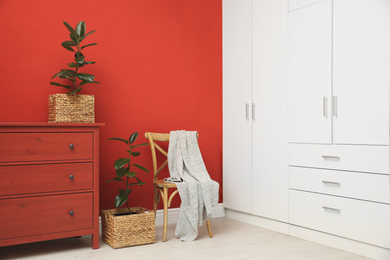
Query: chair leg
[
  {"x": 155, "y": 200},
  {"x": 165, "y": 225},
  {"x": 209, "y": 228}
]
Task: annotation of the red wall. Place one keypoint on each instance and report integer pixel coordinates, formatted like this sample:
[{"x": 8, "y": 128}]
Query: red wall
[{"x": 159, "y": 63}]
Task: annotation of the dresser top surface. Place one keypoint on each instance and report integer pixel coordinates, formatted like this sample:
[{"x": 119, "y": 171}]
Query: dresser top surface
[{"x": 45, "y": 124}]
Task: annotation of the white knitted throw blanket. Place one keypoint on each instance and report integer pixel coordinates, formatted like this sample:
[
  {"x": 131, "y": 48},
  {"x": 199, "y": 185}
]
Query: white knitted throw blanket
[{"x": 198, "y": 192}]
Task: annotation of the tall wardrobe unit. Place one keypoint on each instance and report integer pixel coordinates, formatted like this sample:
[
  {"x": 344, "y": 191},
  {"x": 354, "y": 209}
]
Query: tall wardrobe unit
[
  {"x": 306, "y": 119},
  {"x": 339, "y": 80},
  {"x": 255, "y": 149}
]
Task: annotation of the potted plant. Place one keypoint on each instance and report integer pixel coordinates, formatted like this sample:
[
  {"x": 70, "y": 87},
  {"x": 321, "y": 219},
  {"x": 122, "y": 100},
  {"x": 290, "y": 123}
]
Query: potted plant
[
  {"x": 72, "y": 107},
  {"x": 128, "y": 226}
]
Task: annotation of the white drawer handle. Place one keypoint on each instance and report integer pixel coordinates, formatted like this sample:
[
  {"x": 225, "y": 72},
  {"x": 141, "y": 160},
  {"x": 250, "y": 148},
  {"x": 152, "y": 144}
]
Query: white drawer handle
[
  {"x": 331, "y": 209},
  {"x": 331, "y": 183},
  {"x": 330, "y": 157}
]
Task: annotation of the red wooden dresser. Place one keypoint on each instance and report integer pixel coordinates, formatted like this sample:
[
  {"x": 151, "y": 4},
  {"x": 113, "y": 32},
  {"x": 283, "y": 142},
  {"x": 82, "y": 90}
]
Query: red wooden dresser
[{"x": 49, "y": 182}]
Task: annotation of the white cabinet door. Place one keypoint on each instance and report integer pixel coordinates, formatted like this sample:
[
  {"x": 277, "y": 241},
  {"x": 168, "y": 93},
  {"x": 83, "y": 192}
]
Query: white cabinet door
[
  {"x": 237, "y": 99},
  {"x": 361, "y": 71},
  {"x": 270, "y": 151},
  {"x": 310, "y": 73}
]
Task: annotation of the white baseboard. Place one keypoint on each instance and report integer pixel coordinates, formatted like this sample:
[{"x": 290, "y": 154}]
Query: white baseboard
[
  {"x": 173, "y": 214},
  {"x": 341, "y": 243},
  {"x": 267, "y": 223}
]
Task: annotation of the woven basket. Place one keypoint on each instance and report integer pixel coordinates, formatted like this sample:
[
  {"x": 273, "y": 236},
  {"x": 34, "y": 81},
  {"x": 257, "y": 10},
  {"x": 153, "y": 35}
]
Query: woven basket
[
  {"x": 65, "y": 108},
  {"x": 128, "y": 230}
]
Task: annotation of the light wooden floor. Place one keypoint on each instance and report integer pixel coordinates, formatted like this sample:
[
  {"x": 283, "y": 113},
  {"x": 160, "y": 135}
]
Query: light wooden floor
[{"x": 232, "y": 240}]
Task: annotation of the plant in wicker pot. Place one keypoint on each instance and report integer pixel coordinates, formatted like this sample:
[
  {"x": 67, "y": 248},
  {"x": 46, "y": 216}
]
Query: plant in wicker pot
[
  {"x": 72, "y": 107},
  {"x": 130, "y": 226}
]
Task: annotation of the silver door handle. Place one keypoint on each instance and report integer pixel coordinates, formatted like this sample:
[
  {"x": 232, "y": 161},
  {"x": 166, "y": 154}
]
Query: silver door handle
[
  {"x": 247, "y": 111},
  {"x": 331, "y": 209},
  {"x": 325, "y": 107},
  {"x": 335, "y": 106},
  {"x": 253, "y": 111},
  {"x": 330, "y": 157},
  {"x": 331, "y": 183}
]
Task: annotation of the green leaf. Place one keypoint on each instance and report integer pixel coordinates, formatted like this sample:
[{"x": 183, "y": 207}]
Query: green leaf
[
  {"x": 91, "y": 32},
  {"x": 120, "y": 200},
  {"x": 89, "y": 62},
  {"x": 80, "y": 59},
  {"x": 60, "y": 85},
  {"x": 130, "y": 174},
  {"x": 119, "y": 139},
  {"x": 122, "y": 191},
  {"x": 80, "y": 29},
  {"x": 133, "y": 137},
  {"x": 141, "y": 167},
  {"x": 67, "y": 45},
  {"x": 135, "y": 154},
  {"x": 140, "y": 145},
  {"x": 73, "y": 34},
  {"x": 120, "y": 172},
  {"x": 72, "y": 65},
  {"x": 74, "y": 91},
  {"x": 85, "y": 77},
  {"x": 91, "y": 44},
  {"x": 88, "y": 82},
  {"x": 139, "y": 181},
  {"x": 121, "y": 162},
  {"x": 128, "y": 192},
  {"x": 115, "y": 179}
]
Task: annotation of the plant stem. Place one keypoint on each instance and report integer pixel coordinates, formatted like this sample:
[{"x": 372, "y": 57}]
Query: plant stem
[{"x": 127, "y": 179}]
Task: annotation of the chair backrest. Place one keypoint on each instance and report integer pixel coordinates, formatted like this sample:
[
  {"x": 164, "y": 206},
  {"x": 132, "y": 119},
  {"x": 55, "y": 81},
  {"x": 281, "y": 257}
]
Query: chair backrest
[
  {"x": 153, "y": 137},
  {"x": 159, "y": 137}
]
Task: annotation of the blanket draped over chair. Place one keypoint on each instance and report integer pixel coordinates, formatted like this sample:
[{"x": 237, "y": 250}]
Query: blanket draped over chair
[{"x": 198, "y": 192}]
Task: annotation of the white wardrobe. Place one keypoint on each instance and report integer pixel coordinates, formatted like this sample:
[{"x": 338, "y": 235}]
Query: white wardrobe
[
  {"x": 255, "y": 178},
  {"x": 306, "y": 119}
]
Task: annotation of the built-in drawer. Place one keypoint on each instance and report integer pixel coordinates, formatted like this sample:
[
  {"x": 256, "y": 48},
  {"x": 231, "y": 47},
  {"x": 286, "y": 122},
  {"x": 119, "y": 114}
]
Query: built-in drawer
[
  {"x": 40, "y": 178},
  {"x": 361, "y": 158},
  {"x": 366, "y": 186},
  {"x": 47, "y": 214},
  {"x": 297, "y": 4},
  {"x": 364, "y": 221},
  {"x": 28, "y": 147}
]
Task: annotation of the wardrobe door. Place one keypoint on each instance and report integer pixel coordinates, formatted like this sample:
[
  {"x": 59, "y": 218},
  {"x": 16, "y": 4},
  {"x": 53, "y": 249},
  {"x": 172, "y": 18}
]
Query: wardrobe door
[
  {"x": 361, "y": 71},
  {"x": 310, "y": 72},
  {"x": 237, "y": 99},
  {"x": 270, "y": 96}
]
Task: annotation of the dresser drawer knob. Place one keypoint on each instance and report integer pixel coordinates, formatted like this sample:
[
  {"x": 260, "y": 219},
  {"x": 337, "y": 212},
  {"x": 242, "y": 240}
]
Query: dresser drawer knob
[
  {"x": 71, "y": 146},
  {"x": 71, "y": 177},
  {"x": 71, "y": 212}
]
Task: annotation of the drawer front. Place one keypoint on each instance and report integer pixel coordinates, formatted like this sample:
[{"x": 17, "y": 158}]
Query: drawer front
[
  {"x": 375, "y": 159},
  {"x": 24, "y": 179},
  {"x": 46, "y": 214},
  {"x": 28, "y": 147},
  {"x": 366, "y": 186},
  {"x": 364, "y": 221}
]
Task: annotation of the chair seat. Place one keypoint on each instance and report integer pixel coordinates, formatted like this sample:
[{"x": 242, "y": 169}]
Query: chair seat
[{"x": 162, "y": 184}]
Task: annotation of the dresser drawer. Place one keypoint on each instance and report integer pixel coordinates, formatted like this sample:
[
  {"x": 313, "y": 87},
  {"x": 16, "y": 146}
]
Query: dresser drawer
[
  {"x": 25, "y": 179},
  {"x": 364, "y": 221},
  {"x": 375, "y": 159},
  {"x": 29, "y": 147},
  {"x": 366, "y": 186},
  {"x": 46, "y": 214}
]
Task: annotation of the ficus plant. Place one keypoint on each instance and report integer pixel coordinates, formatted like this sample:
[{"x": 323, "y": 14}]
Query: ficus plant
[
  {"x": 76, "y": 79},
  {"x": 124, "y": 171}
]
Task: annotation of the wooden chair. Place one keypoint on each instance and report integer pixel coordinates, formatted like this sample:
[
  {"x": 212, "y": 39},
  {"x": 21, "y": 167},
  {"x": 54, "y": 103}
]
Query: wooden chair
[{"x": 160, "y": 186}]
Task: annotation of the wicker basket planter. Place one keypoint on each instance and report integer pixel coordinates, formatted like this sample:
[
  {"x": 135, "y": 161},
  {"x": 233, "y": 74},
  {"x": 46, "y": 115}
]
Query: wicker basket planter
[
  {"x": 65, "y": 108},
  {"x": 128, "y": 230}
]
